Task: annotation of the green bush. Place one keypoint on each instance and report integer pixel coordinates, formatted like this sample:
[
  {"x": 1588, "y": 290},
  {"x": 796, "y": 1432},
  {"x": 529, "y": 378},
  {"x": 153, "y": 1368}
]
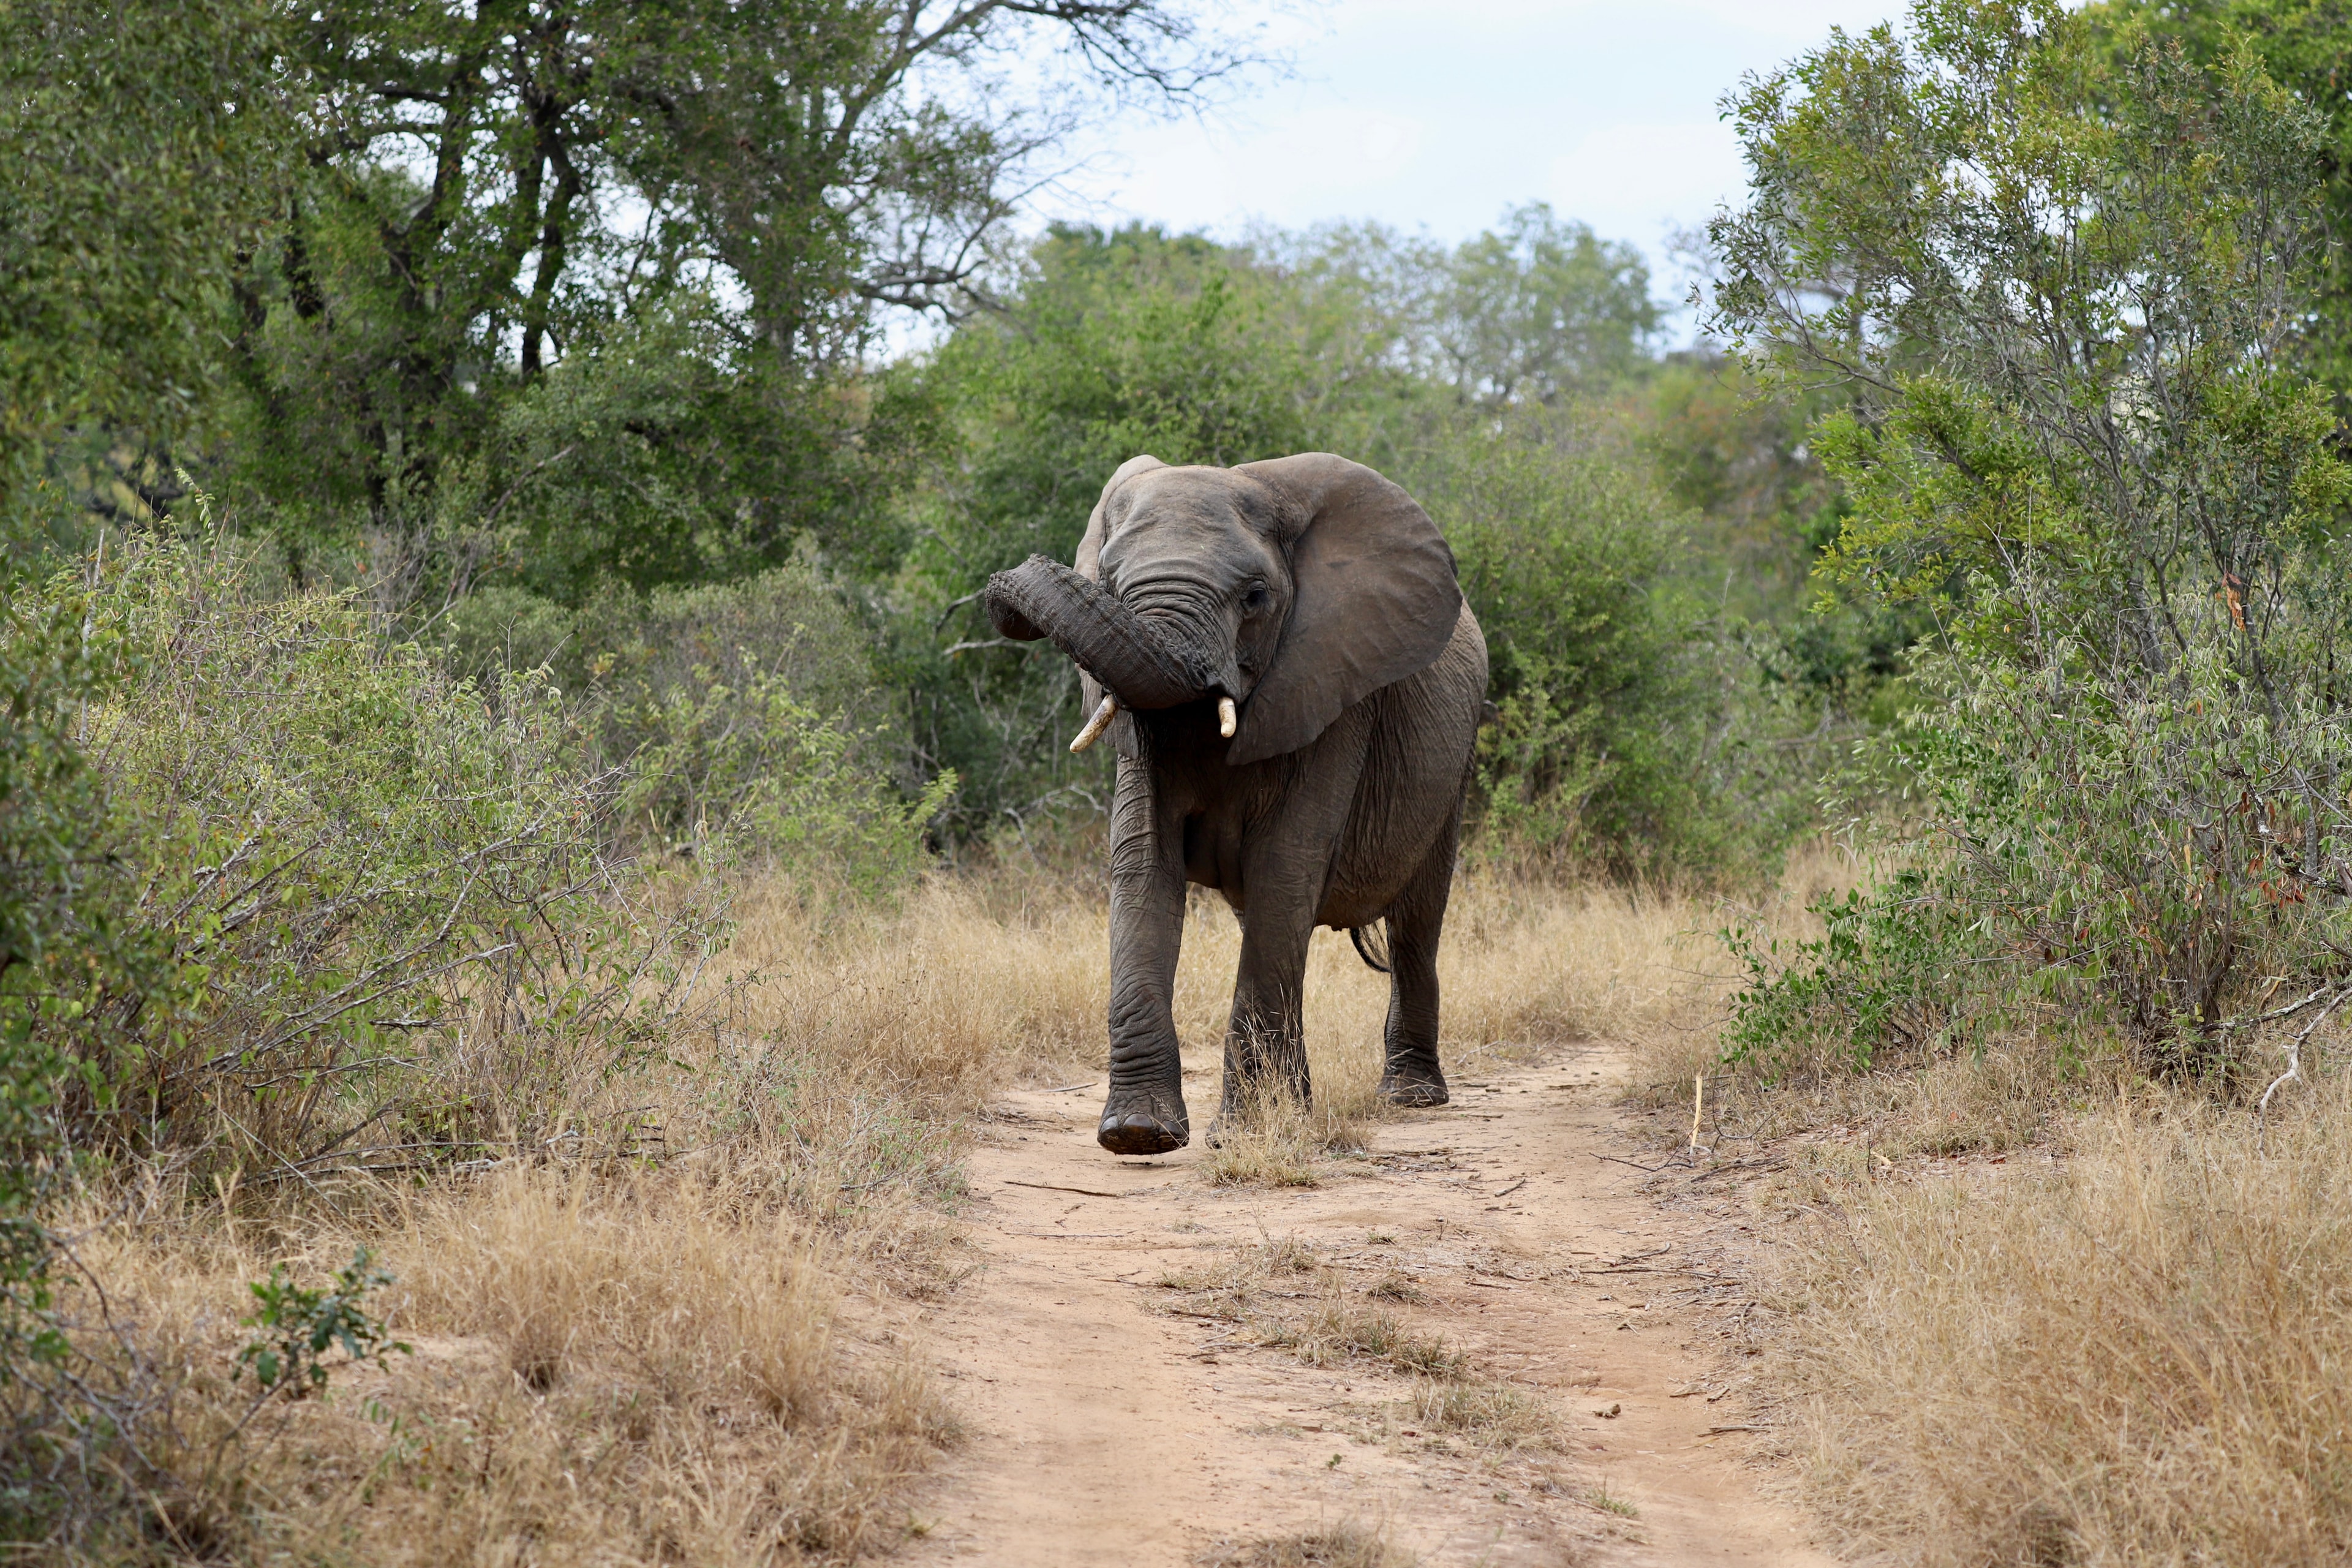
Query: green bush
[
  {"x": 1878, "y": 981},
  {"x": 743, "y": 718},
  {"x": 2078, "y": 275},
  {"x": 53, "y": 953},
  {"x": 1625, "y": 739},
  {"x": 339, "y": 868}
]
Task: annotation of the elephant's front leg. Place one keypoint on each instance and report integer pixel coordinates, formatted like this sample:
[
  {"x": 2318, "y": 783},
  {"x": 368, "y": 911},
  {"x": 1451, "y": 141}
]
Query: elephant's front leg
[
  {"x": 1145, "y": 1113},
  {"x": 1283, "y": 870}
]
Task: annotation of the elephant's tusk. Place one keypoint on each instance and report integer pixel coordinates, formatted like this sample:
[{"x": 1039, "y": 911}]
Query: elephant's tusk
[
  {"x": 1097, "y": 725},
  {"x": 1225, "y": 719}
]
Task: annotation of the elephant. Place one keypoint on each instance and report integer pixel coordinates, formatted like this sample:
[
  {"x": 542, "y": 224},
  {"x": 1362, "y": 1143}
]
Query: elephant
[{"x": 1281, "y": 655}]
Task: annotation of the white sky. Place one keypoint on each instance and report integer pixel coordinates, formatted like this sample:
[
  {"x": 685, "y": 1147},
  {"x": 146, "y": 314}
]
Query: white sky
[{"x": 1437, "y": 114}]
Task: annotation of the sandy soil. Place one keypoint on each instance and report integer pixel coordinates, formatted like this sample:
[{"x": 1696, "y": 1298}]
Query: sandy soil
[{"x": 1104, "y": 1430}]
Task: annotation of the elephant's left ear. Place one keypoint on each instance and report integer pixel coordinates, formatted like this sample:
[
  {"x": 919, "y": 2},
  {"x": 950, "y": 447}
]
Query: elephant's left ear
[{"x": 1374, "y": 598}]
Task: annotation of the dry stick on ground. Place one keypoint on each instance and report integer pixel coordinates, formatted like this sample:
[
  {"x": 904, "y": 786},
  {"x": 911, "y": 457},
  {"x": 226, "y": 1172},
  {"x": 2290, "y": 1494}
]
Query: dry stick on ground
[{"x": 1082, "y": 1192}]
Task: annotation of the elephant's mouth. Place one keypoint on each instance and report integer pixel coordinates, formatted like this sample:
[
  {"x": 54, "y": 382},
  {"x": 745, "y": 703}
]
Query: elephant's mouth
[{"x": 1136, "y": 665}]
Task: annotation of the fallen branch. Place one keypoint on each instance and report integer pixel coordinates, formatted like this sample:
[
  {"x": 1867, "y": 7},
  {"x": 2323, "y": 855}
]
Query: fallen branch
[{"x": 1083, "y": 1191}]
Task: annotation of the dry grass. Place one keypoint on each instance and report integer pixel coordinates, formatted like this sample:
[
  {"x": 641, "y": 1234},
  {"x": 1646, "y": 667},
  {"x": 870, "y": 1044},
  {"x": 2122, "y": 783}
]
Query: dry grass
[
  {"x": 1274, "y": 1140},
  {"x": 1338, "y": 1329},
  {"x": 1344, "y": 1545},
  {"x": 1293, "y": 1301},
  {"x": 616, "y": 1370},
  {"x": 675, "y": 1334},
  {"x": 1490, "y": 1414},
  {"x": 686, "y": 1354},
  {"x": 2137, "y": 1356}
]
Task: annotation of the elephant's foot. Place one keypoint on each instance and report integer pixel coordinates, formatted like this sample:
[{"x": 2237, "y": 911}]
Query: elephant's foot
[
  {"x": 1415, "y": 1084},
  {"x": 1142, "y": 1122}
]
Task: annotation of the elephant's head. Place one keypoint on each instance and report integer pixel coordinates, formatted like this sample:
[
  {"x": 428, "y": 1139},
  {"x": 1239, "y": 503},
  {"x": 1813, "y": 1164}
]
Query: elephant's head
[{"x": 1292, "y": 587}]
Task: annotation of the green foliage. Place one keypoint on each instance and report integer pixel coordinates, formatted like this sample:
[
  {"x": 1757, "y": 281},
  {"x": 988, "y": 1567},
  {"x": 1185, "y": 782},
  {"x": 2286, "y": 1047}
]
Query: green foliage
[
  {"x": 51, "y": 848},
  {"x": 139, "y": 137},
  {"x": 2061, "y": 284},
  {"x": 2306, "y": 46},
  {"x": 451, "y": 237},
  {"x": 1612, "y": 739},
  {"x": 1541, "y": 311},
  {"x": 300, "y": 1326},
  {"x": 745, "y": 719},
  {"x": 778, "y": 778},
  {"x": 1537, "y": 310},
  {"x": 334, "y": 250},
  {"x": 332, "y": 861},
  {"x": 1878, "y": 980}
]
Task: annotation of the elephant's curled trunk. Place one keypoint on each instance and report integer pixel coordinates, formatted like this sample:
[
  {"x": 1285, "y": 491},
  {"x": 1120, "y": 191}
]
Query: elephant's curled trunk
[{"x": 1043, "y": 598}]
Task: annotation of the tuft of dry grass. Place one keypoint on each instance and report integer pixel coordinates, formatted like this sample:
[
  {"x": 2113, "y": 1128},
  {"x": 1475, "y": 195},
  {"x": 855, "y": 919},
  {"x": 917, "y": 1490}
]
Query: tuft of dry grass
[
  {"x": 1260, "y": 1286},
  {"x": 1337, "y": 1330},
  {"x": 1274, "y": 1140},
  {"x": 2135, "y": 1356},
  {"x": 1491, "y": 1415},
  {"x": 1344, "y": 1545}
]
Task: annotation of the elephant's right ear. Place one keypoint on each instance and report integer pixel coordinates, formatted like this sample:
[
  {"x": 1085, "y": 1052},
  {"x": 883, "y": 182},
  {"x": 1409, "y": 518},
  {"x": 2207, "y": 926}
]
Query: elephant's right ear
[{"x": 1088, "y": 565}]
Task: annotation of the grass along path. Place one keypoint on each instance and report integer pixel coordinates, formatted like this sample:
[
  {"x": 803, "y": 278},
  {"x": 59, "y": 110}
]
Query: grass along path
[{"x": 1401, "y": 1363}]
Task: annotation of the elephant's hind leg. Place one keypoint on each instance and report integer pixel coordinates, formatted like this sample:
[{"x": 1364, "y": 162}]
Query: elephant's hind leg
[{"x": 1410, "y": 1074}]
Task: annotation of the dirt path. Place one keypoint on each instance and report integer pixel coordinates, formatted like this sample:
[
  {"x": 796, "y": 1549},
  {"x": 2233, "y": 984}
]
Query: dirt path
[{"x": 1104, "y": 1430}]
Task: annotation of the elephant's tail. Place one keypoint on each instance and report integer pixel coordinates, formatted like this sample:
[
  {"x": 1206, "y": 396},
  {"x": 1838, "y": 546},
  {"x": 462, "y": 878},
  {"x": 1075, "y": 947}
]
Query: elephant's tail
[{"x": 1375, "y": 951}]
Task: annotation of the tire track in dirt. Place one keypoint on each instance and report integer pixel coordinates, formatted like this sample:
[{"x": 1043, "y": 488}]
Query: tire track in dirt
[{"x": 1105, "y": 1431}]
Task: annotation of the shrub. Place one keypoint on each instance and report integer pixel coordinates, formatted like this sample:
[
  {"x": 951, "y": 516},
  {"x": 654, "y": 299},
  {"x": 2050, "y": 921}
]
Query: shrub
[
  {"x": 337, "y": 864},
  {"x": 746, "y": 718},
  {"x": 2061, "y": 291},
  {"x": 50, "y": 848},
  {"x": 1877, "y": 978},
  {"x": 1624, "y": 738}
]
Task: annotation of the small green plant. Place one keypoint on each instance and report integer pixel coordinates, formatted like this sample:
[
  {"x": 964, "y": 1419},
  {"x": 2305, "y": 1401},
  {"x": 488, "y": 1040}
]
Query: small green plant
[
  {"x": 1878, "y": 977},
  {"x": 1606, "y": 1501},
  {"x": 299, "y": 1326}
]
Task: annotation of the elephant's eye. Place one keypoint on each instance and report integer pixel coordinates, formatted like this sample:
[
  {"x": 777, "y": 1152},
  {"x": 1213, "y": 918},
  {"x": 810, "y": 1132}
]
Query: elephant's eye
[{"x": 1255, "y": 598}]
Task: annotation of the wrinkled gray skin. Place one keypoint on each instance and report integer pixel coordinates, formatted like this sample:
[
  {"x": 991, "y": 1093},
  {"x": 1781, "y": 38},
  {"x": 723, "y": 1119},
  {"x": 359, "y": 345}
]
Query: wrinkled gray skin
[{"x": 1320, "y": 598}]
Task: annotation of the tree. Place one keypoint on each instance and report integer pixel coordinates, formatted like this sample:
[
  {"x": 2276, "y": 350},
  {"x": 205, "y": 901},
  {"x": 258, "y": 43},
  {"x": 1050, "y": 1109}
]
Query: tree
[
  {"x": 1539, "y": 310},
  {"x": 385, "y": 224},
  {"x": 135, "y": 135},
  {"x": 2305, "y": 45},
  {"x": 2061, "y": 283}
]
